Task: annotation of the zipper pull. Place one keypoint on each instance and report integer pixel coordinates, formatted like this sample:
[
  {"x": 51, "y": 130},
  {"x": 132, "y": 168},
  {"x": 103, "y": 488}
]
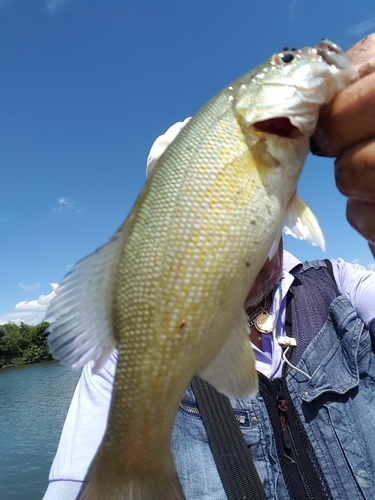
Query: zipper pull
[{"x": 282, "y": 407}]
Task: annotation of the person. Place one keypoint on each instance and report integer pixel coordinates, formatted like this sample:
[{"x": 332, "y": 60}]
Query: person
[{"x": 311, "y": 427}]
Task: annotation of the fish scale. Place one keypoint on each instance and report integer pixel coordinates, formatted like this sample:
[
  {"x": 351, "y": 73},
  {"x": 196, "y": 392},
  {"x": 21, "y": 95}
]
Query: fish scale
[{"x": 168, "y": 289}]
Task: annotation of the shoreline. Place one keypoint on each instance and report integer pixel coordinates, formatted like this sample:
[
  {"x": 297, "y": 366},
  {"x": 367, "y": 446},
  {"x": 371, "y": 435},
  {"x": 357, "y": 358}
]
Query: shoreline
[{"x": 28, "y": 364}]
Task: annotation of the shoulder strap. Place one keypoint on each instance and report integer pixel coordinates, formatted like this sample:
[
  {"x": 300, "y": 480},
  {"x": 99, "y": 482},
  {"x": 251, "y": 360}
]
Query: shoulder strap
[
  {"x": 328, "y": 263},
  {"x": 231, "y": 454}
]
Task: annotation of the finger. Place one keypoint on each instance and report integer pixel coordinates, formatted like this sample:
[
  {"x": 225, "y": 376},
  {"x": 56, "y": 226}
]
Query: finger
[
  {"x": 355, "y": 172},
  {"x": 361, "y": 215},
  {"x": 363, "y": 54},
  {"x": 348, "y": 120}
]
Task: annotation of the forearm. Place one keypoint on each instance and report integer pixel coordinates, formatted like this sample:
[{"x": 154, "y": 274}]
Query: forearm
[
  {"x": 83, "y": 431},
  {"x": 62, "y": 490}
]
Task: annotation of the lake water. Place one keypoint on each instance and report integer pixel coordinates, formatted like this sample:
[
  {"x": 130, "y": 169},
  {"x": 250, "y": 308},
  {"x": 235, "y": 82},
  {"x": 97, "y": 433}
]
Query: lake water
[{"x": 34, "y": 400}]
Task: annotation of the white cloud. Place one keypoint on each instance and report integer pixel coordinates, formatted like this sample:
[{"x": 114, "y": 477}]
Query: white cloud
[
  {"x": 363, "y": 28},
  {"x": 30, "y": 312},
  {"x": 370, "y": 266},
  {"x": 64, "y": 204},
  {"x": 25, "y": 286}
]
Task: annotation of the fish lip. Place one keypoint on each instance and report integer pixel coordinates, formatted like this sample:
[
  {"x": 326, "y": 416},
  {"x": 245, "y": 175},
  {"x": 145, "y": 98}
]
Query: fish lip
[
  {"x": 278, "y": 125},
  {"x": 331, "y": 53},
  {"x": 325, "y": 56}
]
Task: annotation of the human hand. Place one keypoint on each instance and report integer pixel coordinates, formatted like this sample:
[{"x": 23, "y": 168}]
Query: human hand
[{"x": 346, "y": 129}]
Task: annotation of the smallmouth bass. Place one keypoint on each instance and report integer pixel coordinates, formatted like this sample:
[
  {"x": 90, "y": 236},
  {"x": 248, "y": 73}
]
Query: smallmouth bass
[{"x": 169, "y": 287}]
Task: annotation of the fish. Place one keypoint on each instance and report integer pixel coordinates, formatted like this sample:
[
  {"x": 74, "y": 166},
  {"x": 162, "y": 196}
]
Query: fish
[{"x": 167, "y": 291}]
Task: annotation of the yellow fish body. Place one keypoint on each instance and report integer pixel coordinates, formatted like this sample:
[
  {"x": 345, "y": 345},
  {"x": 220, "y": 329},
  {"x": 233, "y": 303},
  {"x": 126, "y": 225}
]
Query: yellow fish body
[{"x": 168, "y": 289}]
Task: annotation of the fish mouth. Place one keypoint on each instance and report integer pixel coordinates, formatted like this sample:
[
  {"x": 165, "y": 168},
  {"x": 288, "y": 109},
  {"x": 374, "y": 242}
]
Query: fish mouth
[
  {"x": 331, "y": 53},
  {"x": 280, "y": 126}
]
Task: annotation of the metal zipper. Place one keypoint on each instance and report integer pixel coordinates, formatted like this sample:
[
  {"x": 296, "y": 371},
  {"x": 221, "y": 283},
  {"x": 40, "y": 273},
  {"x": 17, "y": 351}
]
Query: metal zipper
[
  {"x": 288, "y": 439},
  {"x": 288, "y": 443},
  {"x": 194, "y": 411},
  {"x": 302, "y": 475}
]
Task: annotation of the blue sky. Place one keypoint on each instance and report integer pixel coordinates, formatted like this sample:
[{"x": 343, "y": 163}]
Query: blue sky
[{"x": 87, "y": 85}]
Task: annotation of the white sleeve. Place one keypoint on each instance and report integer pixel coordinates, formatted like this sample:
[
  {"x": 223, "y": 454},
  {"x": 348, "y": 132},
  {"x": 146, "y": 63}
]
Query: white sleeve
[
  {"x": 63, "y": 490},
  {"x": 83, "y": 429}
]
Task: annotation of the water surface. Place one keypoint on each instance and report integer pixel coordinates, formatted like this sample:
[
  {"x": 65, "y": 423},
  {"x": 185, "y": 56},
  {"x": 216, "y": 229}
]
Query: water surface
[{"x": 34, "y": 400}]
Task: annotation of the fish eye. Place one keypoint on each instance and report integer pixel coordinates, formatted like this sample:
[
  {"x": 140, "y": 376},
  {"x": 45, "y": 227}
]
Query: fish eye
[
  {"x": 287, "y": 57},
  {"x": 283, "y": 57}
]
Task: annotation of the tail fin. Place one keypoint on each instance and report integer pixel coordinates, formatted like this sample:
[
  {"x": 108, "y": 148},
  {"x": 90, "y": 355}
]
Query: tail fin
[{"x": 159, "y": 488}]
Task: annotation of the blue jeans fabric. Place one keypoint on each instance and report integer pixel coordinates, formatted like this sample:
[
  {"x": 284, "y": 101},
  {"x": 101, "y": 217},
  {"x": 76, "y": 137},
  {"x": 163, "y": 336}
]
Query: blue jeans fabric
[
  {"x": 194, "y": 461},
  {"x": 336, "y": 407}
]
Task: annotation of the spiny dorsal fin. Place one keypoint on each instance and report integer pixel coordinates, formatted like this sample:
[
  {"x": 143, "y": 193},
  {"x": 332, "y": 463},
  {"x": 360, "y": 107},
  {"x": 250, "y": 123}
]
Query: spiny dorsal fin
[{"x": 82, "y": 330}]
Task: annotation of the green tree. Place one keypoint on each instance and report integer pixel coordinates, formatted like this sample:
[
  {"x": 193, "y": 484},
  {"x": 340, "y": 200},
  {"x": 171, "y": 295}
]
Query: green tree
[
  {"x": 36, "y": 348},
  {"x": 10, "y": 339},
  {"x": 23, "y": 344}
]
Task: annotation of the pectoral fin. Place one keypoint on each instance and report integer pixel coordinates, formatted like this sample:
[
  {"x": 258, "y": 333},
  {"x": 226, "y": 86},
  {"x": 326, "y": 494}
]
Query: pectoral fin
[
  {"x": 232, "y": 371},
  {"x": 302, "y": 224}
]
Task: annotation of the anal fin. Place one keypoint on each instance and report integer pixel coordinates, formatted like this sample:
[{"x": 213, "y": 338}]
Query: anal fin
[{"x": 232, "y": 371}]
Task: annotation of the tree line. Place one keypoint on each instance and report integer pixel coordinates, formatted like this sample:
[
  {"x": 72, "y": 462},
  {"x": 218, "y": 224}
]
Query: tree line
[{"x": 23, "y": 344}]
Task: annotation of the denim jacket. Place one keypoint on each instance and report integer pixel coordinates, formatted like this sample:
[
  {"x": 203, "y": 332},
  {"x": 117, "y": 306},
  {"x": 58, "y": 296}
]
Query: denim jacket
[{"x": 336, "y": 406}]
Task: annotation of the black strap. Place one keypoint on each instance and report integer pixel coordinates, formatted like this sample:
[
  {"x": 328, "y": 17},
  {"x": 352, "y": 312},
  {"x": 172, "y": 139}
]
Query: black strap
[
  {"x": 232, "y": 456},
  {"x": 330, "y": 270}
]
